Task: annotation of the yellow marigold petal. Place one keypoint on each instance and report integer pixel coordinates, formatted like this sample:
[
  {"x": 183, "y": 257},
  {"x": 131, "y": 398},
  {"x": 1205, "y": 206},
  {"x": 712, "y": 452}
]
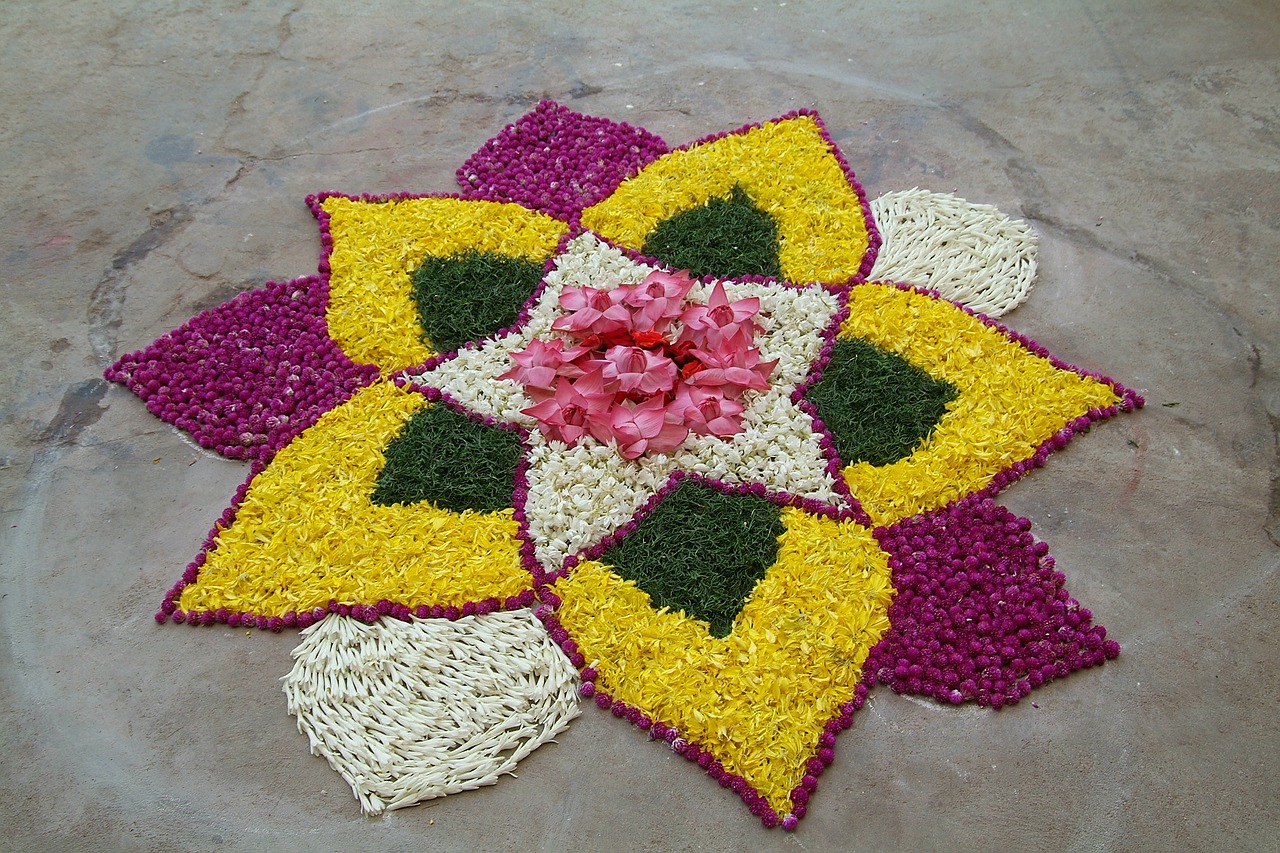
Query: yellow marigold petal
[
  {"x": 1010, "y": 401},
  {"x": 788, "y": 168},
  {"x": 307, "y": 533},
  {"x": 378, "y": 244},
  {"x": 759, "y": 698}
]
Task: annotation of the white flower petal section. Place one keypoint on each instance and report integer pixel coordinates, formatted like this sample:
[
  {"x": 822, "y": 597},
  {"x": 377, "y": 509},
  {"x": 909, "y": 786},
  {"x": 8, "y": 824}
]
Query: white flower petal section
[
  {"x": 580, "y": 494},
  {"x": 588, "y": 262},
  {"x": 778, "y": 447},
  {"x": 496, "y": 398},
  {"x": 970, "y": 253},
  {"x": 410, "y": 711}
]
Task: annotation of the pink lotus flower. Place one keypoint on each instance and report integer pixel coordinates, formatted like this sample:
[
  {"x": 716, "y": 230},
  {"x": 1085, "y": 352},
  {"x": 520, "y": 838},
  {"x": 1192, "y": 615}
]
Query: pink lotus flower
[
  {"x": 566, "y": 415},
  {"x": 660, "y": 298},
  {"x": 721, "y": 321},
  {"x": 735, "y": 368},
  {"x": 626, "y": 382},
  {"x": 639, "y": 371},
  {"x": 705, "y": 410},
  {"x": 538, "y": 366},
  {"x": 648, "y": 427},
  {"x": 593, "y": 311}
]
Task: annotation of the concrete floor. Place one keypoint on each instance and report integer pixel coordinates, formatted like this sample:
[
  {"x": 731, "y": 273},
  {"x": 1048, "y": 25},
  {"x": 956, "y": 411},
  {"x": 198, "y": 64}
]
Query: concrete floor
[{"x": 155, "y": 157}]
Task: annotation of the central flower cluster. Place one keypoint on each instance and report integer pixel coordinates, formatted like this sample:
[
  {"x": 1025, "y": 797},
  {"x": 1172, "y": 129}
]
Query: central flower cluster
[{"x": 643, "y": 366}]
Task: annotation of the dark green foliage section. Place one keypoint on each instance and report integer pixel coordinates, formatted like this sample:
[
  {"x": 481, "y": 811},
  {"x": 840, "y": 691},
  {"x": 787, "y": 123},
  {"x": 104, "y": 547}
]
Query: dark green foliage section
[
  {"x": 726, "y": 238},
  {"x": 702, "y": 552},
  {"x": 450, "y": 460},
  {"x": 878, "y": 406},
  {"x": 471, "y": 295}
]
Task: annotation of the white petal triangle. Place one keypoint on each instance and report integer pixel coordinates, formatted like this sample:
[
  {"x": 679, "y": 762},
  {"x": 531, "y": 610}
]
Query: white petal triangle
[
  {"x": 578, "y": 495},
  {"x": 970, "y": 253},
  {"x": 410, "y": 711}
]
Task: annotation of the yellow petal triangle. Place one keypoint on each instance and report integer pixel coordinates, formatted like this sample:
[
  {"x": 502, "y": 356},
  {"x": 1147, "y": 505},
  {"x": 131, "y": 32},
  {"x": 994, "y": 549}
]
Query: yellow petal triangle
[
  {"x": 307, "y": 533},
  {"x": 1010, "y": 400},
  {"x": 790, "y": 170},
  {"x": 378, "y": 244},
  {"x": 759, "y": 698}
]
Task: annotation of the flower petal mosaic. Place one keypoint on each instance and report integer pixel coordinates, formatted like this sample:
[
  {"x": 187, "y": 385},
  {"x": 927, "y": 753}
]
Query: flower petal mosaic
[{"x": 648, "y": 397}]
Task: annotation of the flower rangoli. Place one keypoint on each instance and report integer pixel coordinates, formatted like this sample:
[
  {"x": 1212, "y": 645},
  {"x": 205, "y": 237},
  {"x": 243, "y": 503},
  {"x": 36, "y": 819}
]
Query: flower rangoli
[{"x": 631, "y": 426}]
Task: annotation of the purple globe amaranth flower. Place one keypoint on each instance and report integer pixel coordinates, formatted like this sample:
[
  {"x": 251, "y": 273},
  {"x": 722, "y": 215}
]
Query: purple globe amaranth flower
[
  {"x": 558, "y": 161},
  {"x": 246, "y": 377},
  {"x": 987, "y": 600}
]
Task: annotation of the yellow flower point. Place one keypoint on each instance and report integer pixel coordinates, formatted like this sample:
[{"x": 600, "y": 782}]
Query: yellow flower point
[
  {"x": 787, "y": 167},
  {"x": 378, "y": 244},
  {"x": 1010, "y": 402},
  {"x": 307, "y": 532},
  {"x": 760, "y": 697}
]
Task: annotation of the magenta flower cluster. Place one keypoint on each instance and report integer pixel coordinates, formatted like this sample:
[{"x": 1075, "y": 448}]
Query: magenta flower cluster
[
  {"x": 558, "y": 161},
  {"x": 980, "y": 612},
  {"x": 630, "y": 378},
  {"x": 246, "y": 377}
]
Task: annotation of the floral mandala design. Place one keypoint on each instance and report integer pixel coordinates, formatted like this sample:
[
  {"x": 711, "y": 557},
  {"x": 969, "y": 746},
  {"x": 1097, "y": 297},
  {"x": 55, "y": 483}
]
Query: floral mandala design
[{"x": 734, "y": 590}]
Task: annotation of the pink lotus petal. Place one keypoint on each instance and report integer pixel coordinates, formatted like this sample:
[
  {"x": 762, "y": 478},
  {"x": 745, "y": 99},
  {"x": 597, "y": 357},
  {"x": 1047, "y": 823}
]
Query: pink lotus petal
[
  {"x": 723, "y": 427},
  {"x": 638, "y": 370},
  {"x": 592, "y": 384},
  {"x": 566, "y": 415},
  {"x": 705, "y": 410},
  {"x": 735, "y": 379},
  {"x": 720, "y": 321},
  {"x": 659, "y": 298},
  {"x": 645, "y": 428},
  {"x": 671, "y": 436},
  {"x": 592, "y": 311},
  {"x": 538, "y": 365},
  {"x": 650, "y": 416}
]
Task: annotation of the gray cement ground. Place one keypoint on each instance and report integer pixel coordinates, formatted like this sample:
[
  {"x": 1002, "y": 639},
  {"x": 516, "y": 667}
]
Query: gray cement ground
[{"x": 155, "y": 156}]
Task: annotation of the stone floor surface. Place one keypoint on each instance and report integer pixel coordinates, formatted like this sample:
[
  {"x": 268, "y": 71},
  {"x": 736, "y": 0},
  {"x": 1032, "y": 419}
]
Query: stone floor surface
[{"x": 155, "y": 156}]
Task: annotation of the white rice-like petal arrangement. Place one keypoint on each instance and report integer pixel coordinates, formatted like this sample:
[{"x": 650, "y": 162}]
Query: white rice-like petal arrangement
[
  {"x": 970, "y": 253},
  {"x": 410, "y": 711}
]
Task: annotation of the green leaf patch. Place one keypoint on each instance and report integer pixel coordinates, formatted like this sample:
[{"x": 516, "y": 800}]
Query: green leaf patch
[
  {"x": 701, "y": 551},
  {"x": 448, "y": 459},
  {"x": 471, "y": 295},
  {"x": 726, "y": 238},
  {"x": 877, "y": 405}
]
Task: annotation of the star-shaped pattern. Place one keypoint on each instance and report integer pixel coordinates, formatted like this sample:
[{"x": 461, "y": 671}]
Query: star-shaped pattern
[
  {"x": 921, "y": 583},
  {"x": 575, "y": 496}
]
